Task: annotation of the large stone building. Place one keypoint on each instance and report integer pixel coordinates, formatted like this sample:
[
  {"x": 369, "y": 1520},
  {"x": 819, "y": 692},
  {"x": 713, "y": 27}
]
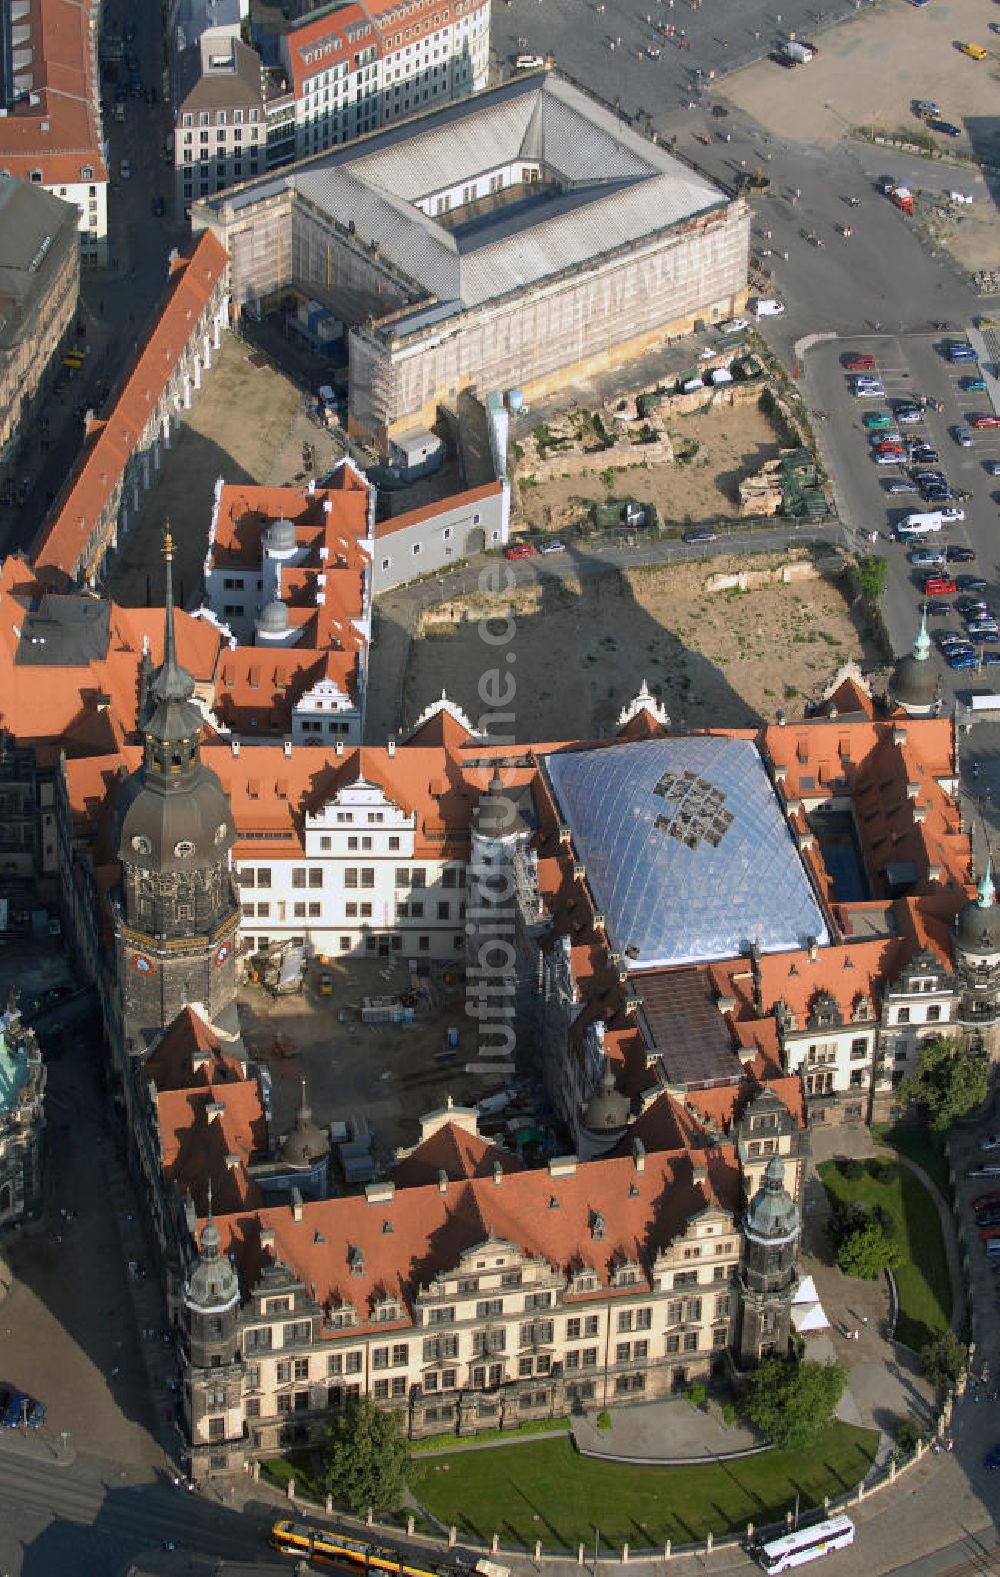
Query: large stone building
[
  {"x": 39, "y": 290},
  {"x": 713, "y": 941},
  {"x": 521, "y": 239}
]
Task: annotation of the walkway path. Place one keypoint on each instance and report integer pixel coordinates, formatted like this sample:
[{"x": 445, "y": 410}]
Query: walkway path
[{"x": 667, "y": 1431}]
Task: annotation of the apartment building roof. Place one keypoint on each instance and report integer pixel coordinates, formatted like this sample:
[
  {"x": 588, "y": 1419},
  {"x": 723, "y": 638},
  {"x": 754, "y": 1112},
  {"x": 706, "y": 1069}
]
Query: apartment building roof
[
  {"x": 50, "y": 132},
  {"x": 385, "y": 529},
  {"x": 217, "y": 73},
  {"x": 62, "y": 545},
  {"x": 37, "y": 232},
  {"x": 599, "y": 1216}
]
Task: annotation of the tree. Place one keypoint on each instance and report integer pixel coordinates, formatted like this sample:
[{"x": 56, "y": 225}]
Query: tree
[
  {"x": 943, "y": 1358},
  {"x": 868, "y": 1250},
  {"x": 790, "y": 1402},
  {"x": 950, "y": 1080},
  {"x": 872, "y": 572},
  {"x": 367, "y": 1458}
]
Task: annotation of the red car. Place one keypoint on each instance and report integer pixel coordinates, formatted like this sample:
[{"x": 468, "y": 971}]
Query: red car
[
  {"x": 986, "y": 421},
  {"x": 939, "y": 586},
  {"x": 854, "y": 361},
  {"x": 520, "y": 551}
]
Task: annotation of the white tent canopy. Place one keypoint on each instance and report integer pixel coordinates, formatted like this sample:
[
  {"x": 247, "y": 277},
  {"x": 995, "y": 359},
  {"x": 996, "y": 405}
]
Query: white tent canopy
[
  {"x": 806, "y": 1291},
  {"x": 809, "y": 1317}
]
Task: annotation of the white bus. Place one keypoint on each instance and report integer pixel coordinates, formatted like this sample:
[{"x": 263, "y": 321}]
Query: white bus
[{"x": 808, "y": 1544}]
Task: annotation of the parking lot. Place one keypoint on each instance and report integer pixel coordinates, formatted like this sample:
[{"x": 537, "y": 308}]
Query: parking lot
[{"x": 910, "y": 368}]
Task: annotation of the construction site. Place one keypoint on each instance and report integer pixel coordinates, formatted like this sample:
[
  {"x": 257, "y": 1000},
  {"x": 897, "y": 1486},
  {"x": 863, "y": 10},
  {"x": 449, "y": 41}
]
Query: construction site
[
  {"x": 378, "y": 1048},
  {"x": 457, "y": 251}
]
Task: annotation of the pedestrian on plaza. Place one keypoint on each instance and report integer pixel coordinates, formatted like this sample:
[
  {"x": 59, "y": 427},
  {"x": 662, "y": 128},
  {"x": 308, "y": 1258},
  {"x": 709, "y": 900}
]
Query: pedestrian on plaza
[{"x": 864, "y": 1319}]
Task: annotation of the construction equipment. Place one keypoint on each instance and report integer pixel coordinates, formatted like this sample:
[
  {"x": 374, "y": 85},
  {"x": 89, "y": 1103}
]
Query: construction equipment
[{"x": 279, "y": 969}]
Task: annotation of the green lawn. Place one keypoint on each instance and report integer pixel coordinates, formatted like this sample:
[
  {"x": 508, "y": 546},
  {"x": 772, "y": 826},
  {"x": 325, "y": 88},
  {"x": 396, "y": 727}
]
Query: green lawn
[
  {"x": 921, "y": 1147},
  {"x": 545, "y": 1490},
  {"x": 922, "y": 1279}
]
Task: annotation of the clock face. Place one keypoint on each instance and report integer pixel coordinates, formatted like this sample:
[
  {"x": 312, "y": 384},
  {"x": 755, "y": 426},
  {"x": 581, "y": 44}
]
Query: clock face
[
  {"x": 184, "y": 849},
  {"x": 142, "y": 965},
  {"x": 222, "y": 952},
  {"x": 141, "y": 845},
  {"x": 221, "y": 832}
]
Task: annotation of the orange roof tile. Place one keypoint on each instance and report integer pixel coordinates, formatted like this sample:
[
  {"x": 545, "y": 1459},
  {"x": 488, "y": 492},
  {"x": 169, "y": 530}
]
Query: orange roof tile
[
  {"x": 62, "y": 544},
  {"x": 457, "y": 1153}
]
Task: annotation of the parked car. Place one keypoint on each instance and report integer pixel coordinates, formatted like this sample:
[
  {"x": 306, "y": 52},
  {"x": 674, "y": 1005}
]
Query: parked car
[
  {"x": 991, "y": 659},
  {"x": 906, "y": 411},
  {"x": 956, "y": 554},
  {"x": 159, "y": 207},
  {"x": 125, "y": 169},
  {"x": 23, "y": 1409},
  {"x": 971, "y": 583},
  {"x": 945, "y": 127},
  {"x": 962, "y": 436},
  {"x": 857, "y": 361},
  {"x": 974, "y": 385},
  {"x": 701, "y": 536},
  {"x": 990, "y": 1141},
  {"x": 876, "y": 420},
  {"x": 986, "y": 1201},
  {"x": 957, "y": 661},
  {"x": 926, "y": 107},
  {"x": 900, "y": 485},
  {"x": 952, "y": 515},
  {"x": 520, "y": 550},
  {"x": 927, "y": 558},
  {"x": 974, "y": 51},
  {"x": 959, "y": 350},
  {"x": 992, "y": 467},
  {"x": 981, "y": 423},
  {"x": 553, "y": 547}
]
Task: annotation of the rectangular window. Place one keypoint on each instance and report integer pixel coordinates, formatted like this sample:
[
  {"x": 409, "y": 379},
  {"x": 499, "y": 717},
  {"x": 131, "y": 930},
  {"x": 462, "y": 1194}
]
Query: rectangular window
[
  {"x": 380, "y": 1357},
  {"x": 400, "y": 1354},
  {"x": 572, "y": 1330},
  {"x": 591, "y": 1325},
  {"x": 933, "y": 1013},
  {"x": 380, "y": 1390}
]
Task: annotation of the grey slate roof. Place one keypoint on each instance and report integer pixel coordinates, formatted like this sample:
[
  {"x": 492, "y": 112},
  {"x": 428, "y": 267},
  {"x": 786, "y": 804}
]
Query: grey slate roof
[
  {"x": 36, "y": 231},
  {"x": 65, "y": 632},
  {"x": 614, "y": 188},
  {"x": 686, "y": 850}
]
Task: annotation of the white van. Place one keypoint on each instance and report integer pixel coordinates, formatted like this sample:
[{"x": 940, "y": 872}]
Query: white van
[
  {"x": 924, "y": 520},
  {"x": 529, "y": 62},
  {"x": 769, "y": 308}
]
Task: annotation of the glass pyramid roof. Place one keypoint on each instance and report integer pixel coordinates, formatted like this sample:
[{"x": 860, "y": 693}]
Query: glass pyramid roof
[{"x": 686, "y": 849}]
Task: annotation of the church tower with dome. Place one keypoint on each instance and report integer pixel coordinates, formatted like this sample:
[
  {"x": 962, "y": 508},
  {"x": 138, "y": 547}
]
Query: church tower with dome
[{"x": 176, "y": 911}]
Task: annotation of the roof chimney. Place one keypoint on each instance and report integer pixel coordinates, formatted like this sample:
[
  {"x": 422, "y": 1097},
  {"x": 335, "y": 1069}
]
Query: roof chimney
[
  {"x": 497, "y": 1174},
  {"x": 564, "y": 834},
  {"x": 232, "y": 1161},
  {"x": 562, "y": 1165},
  {"x": 214, "y": 1109},
  {"x": 813, "y": 949},
  {"x": 340, "y": 747},
  {"x": 286, "y": 745},
  {"x": 442, "y": 1181},
  {"x": 235, "y": 745},
  {"x": 380, "y": 1193},
  {"x": 390, "y": 747},
  {"x": 296, "y": 1205},
  {"x": 699, "y": 1174},
  {"x": 267, "y": 1237},
  {"x": 639, "y": 1155}
]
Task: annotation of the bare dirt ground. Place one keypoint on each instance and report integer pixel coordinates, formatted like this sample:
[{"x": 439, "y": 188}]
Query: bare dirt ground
[
  {"x": 246, "y": 424},
  {"x": 390, "y": 1073},
  {"x": 873, "y": 68},
  {"x": 732, "y": 443},
  {"x": 721, "y": 659}
]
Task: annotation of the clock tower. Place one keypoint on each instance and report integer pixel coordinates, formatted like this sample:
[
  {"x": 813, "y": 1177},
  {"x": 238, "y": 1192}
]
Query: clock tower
[{"x": 176, "y": 913}]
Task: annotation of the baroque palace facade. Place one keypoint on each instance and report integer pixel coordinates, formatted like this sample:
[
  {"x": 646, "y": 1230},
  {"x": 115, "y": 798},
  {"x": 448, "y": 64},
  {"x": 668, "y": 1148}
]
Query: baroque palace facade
[{"x": 683, "y": 972}]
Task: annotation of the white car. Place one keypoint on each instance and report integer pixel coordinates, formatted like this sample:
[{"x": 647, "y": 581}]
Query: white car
[
  {"x": 869, "y": 391},
  {"x": 769, "y": 308},
  {"x": 950, "y": 515},
  {"x": 962, "y": 198},
  {"x": 734, "y": 326},
  {"x": 553, "y": 547}
]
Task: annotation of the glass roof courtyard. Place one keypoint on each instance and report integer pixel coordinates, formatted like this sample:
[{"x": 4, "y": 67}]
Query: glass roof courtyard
[{"x": 687, "y": 851}]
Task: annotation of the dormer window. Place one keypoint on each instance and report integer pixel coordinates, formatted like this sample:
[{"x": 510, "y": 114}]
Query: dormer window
[
  {"x": 598, "y": 1227},
  {"x": 356, "y": 1261}
]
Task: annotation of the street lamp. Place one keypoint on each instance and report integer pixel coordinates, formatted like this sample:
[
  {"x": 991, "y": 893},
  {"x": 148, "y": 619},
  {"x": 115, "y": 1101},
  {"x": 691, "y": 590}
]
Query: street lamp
[{"x": 597, "y": 1541}]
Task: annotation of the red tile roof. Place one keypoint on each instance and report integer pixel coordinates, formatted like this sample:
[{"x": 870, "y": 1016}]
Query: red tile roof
[
  {"x": 171, "y": 1063},
  {"x": 457, "y": 1153},
  {"x": 56, "y": 131},
  {"x": 342, "y": 1249},
  {"x": 62, "y": 544}
]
